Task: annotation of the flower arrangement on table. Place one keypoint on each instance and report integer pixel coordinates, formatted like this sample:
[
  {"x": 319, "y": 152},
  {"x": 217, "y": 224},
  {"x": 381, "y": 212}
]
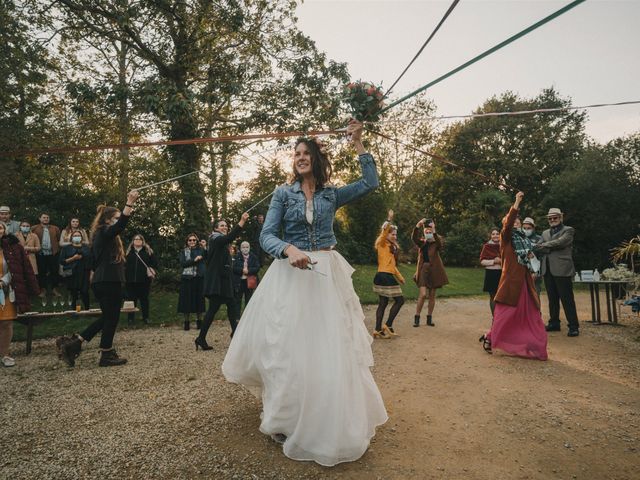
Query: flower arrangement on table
[
  {"x": 621, "y": 273},
  {"x": 365, "y": 100}
]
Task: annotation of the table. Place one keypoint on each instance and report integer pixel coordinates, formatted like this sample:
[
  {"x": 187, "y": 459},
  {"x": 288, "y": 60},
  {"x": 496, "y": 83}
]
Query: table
[
  {"x": 31, "y": 319},
  {"x": 594, "y": 291}
]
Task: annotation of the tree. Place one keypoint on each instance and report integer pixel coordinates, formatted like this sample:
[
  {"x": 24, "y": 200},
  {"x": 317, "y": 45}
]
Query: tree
[
  {"x": 24, "y": 68},
  {"x": 608, "y": 217},
  {"x": 204, "y": 57}
]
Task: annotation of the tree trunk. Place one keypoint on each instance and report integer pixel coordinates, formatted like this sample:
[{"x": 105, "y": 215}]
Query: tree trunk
[
  {"x": 185, "y": 159},
  {"x": 124, "y": 121}
]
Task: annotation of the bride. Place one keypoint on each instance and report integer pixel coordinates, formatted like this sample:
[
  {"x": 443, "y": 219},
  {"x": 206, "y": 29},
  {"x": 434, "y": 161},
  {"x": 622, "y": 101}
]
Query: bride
[{"x": 302, "y": 338}]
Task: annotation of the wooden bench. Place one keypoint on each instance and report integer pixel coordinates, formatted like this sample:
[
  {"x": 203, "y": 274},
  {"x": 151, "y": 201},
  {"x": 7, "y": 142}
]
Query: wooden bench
[{"x": 31, "y": 319}]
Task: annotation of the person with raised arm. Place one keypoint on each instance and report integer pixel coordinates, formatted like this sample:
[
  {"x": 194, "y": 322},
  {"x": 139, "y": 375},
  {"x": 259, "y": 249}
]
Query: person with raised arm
[{"x": 302, "y": 340}]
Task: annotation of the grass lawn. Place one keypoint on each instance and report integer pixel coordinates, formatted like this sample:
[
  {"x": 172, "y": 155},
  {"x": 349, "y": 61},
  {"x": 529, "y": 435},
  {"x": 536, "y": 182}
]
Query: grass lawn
[{"x": 462, "y": 282}]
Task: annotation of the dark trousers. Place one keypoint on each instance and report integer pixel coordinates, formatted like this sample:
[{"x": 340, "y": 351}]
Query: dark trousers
[
  {"x": 75, "y": 292},
  {"x": 109, "y": 295},
  {"x": 47, "y": 271},
  {"x": 139, "y": 291},
  {"x": 83, "y": 294},
  {"x": 561, "y": 289},
  {"x": 243, "y": 292},
  {"x": 215, "y": 302}
]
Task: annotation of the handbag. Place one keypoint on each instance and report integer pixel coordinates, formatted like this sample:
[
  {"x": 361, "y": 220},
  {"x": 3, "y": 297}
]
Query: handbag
[
  {"x": 151, "y": 273},
  {"x": 252, "y": 282}
]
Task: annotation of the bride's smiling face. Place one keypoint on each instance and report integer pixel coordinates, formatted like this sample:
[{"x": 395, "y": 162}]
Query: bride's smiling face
[{"x": 302, "y": 161}]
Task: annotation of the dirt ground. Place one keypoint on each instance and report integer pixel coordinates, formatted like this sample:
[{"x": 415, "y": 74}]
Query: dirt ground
[{"x": 455, "y": 412}]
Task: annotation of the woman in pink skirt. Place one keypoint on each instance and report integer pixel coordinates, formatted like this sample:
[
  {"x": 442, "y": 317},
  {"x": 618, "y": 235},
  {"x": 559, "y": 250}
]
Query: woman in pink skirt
[{"x": 517, "y": 325}]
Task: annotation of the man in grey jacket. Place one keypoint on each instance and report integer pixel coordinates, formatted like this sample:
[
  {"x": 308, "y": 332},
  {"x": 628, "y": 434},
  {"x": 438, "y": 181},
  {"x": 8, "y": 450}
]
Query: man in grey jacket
[{"x": 558, "y": 270}]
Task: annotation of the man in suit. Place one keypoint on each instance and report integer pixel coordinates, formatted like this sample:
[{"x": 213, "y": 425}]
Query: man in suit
[{"x": 558, "y": 270}]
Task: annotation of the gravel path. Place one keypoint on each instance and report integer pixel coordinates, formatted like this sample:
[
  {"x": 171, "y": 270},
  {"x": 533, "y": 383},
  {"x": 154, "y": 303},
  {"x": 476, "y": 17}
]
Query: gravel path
[{"x": 455, "y": 412}]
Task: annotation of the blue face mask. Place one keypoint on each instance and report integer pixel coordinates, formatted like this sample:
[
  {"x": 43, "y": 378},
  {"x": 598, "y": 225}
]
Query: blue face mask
[
  {"x": 25, "y": 230},
  {"x": 429, "y": 237},
  {"x": 528, "y": 233}
]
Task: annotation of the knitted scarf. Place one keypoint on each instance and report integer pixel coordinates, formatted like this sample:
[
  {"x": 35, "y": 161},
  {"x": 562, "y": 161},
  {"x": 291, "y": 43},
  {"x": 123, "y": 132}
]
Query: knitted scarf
[
  {"x": 522, "y": 246},
  {"x": 191, "y": 271}
]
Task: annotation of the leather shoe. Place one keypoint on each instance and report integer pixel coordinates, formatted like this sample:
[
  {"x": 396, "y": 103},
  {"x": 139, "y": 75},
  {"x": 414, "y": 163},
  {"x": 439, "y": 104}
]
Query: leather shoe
[
  {"x": 552, "y": 328},
  {"x": 573, "y": 333}
]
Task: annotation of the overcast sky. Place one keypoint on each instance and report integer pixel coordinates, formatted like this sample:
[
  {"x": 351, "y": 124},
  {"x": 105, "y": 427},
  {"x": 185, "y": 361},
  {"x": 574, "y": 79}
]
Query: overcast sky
[{"x": 591, "y": 53}]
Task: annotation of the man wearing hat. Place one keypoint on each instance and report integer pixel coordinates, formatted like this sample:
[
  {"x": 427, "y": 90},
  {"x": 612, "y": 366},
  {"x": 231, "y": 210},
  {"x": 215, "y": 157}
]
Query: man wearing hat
[
  {"x": 558, "y": 270},
  {"x": 529, "y": 229},
  {"x": 13, "y": 226}
]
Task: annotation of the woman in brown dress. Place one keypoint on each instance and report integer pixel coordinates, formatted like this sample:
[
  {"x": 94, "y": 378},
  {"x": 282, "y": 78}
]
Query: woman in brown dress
[{"x": 430, "y": 274}]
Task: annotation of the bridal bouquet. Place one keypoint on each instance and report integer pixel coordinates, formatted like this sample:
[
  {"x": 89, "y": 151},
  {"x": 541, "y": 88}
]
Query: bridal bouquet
[{"x": 365, "y": 100}]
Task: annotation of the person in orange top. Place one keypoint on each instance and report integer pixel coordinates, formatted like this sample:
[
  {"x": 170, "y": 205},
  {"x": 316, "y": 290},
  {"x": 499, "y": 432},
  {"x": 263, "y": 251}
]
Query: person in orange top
[
  {"x": 387, "y": 281},
  {"x": 517, "y": 324}
]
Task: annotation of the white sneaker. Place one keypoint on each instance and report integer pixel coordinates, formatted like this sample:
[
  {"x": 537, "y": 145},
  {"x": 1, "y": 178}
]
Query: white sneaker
[{"x": 8, "y": 361}]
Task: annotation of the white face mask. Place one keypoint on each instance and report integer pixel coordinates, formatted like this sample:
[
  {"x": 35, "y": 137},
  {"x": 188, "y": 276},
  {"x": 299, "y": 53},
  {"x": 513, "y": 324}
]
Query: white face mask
[
  {"x": 76, "y": 240},
  {"x": 244, "y": 250},
  {"x": 528, "y": 233},
  {"x": 429, "y": 237}
]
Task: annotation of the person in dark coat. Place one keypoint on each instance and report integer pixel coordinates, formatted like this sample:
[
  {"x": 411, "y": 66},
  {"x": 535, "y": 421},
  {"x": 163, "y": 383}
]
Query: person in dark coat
[
  {"x": 76, "y": 262},
  {"x": 140, "y": 271},
  {"x": 108, "y": 276},
  {"x": 218, "y": 280},
  {"x": 192, "y": 262},
  {"x": 245, "y": 265},
  {"x": 430, "y": 273},
  {"x": 17, "y": 283}
]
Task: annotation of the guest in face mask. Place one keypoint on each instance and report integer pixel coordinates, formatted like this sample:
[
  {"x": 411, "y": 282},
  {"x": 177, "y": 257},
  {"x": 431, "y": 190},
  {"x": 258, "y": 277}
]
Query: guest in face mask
[
  {"x": 17, "y": 283},
  {"x": 430, "y": 273},
  {"x": 30, "y": 243},
  {"x": 529, "y": 229},
  {"x": 75, "y": 259},
  {"x": 246, "y": 264},
  {"x": 517, "y": 327},
  {"x": 72, "y": 227}
]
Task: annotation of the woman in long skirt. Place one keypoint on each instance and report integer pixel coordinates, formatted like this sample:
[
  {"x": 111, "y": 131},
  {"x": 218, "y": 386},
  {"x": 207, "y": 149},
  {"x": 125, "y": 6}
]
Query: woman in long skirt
[
  {"x": 517, "y": 325},
  {"x": 302, "y": 338}
]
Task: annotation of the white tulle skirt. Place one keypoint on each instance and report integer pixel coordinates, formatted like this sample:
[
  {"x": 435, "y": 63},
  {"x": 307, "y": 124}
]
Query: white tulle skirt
[{"x": 303, "y": 343}]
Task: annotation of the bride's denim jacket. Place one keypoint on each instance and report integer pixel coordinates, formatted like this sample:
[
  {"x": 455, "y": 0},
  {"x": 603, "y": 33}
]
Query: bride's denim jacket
[{"x": 287, "y": 212}]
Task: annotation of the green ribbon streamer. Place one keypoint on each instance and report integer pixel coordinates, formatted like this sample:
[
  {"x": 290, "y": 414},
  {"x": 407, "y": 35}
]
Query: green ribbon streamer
[{"x": 488, "y": 52}]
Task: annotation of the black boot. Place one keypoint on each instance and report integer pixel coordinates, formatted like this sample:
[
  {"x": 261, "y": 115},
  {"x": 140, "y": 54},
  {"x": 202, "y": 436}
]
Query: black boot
[
  {"x": 69, "y": 349},
  {"x": 109, "y": 358},
  {"x": 186, "y": 325},
  {"x": 430, "y": 321},
  {"x": 416, "y": 320},
  {"x": 202, "y": 343}
]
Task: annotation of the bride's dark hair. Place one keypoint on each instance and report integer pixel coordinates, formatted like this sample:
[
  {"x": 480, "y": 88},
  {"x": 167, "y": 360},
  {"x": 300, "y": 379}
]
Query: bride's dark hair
[{"x": 320, "y": 164}]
